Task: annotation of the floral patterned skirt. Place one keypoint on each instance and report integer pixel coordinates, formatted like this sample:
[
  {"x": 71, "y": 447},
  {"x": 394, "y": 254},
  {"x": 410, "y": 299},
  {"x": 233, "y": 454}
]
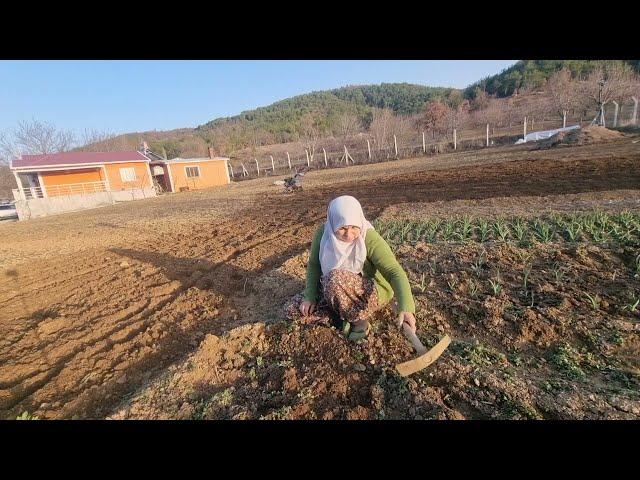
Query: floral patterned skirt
[{"x": 345, "y": 296}]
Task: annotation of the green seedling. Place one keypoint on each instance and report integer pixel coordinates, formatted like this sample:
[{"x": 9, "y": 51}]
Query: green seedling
[
  {"x": 452, "y": 284},
  {"x": 478, "y": 264},
  {"x": 594, "y": 301},
  {"x": 558, "y": 272},
  {"x": 602, "y": 219},
  {"x": 621, "y": 234},
  {"x": 484, "y": 229},
  {"x": 466, "y": 229},
  {"x": 626, "y": 219},
  {"x": 501, "y": 229},
  {"x": 448, "y": 230},
  {"x": 496, "y": 286},
  {"x": 404, "y": 232},
  {"x": 572, "y": 231},
  {"x": 632, "y": 307},
  {"x": 433, "y": 267},
  {"x": 543, "y": 231},
  {"x": 473, "y": 288},
  {"x": 431, "y": 231},
  {"x": 520, "y": 230},
  {"x": 567, "y": 359},
  {"x": 423, "y": 285},
  {"x": 26, "y": 416},
  {"x": 419, "y": 230}
]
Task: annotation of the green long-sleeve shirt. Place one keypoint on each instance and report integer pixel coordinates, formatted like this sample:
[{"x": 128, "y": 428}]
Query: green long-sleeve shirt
[{"x": 381, "y": 265}]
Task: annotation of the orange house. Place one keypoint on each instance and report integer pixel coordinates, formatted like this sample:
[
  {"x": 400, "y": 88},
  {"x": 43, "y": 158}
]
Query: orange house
[
  {"x": 180, "y": 174},
  {"x": 54, "y": 183}
]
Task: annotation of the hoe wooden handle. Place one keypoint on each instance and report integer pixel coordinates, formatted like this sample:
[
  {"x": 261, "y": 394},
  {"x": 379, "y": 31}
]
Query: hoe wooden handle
[{"x": 415, "y": 341}]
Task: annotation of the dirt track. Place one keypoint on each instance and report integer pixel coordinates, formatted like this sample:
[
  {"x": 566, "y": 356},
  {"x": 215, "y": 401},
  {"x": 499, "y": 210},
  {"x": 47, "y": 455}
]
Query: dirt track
[{"x": 95, "y": 304}]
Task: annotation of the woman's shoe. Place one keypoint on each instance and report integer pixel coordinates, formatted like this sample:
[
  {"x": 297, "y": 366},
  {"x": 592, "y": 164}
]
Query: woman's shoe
[{"x": 355, "y": 335}]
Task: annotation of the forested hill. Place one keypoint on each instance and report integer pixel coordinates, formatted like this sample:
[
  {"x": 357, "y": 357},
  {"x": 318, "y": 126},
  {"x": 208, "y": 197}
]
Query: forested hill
[
  {"x": 534, "y": 73},
  {"x": 283, "y": 119}
]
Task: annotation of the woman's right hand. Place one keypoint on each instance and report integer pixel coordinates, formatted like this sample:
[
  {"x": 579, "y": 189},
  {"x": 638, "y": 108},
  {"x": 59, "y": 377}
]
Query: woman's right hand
[{"x": 307, "y": 307}]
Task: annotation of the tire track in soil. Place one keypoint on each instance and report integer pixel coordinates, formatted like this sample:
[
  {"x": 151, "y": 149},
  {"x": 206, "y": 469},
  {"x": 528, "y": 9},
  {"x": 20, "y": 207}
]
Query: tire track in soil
[{"x": 290, "y": 238}]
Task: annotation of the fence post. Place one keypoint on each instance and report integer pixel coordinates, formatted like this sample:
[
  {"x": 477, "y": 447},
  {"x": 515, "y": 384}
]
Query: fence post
[
  {"x": 325, "y": 157},
  {"x": 369, "y": 149},
  {"x": 348, "y": 157},
  {"x": 289, "y": 160},
  {"x": 273, "y": 167},
  {"x": 455, "y": 140},
  {"x": 395, "y": 145},
  {"x": 564, "y": 119},
  {"x": 424, "y": 144},
  {"x": 257, "y": 166},
  {"x": 487, "y": 134},
  {"x": 615, "y": 113},
  {"x": 307, "y": 153},
  {"x": 525, "y": 128}
]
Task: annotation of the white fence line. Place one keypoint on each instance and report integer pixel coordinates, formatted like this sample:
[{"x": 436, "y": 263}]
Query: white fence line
[
  {"x": 364, "y": 149},
  {"x": 27, "y": 193}
]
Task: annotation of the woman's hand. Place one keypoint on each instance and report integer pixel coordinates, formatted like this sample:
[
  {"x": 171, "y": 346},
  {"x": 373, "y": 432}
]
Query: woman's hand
[
  {"x": 409, "y": 319},
  {"x": 307, "y": 307}
]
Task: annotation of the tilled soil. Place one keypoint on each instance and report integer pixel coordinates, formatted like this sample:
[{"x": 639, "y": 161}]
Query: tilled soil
[{"x": 174, "y": 300}]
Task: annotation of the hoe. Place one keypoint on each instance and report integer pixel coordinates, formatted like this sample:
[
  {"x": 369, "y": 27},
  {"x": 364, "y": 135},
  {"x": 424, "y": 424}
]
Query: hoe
[{"x": 425, "y": 357}]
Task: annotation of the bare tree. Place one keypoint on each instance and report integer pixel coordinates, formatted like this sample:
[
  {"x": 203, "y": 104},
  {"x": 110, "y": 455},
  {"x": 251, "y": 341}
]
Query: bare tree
[
  {"x": 5, "y": 148},
  {"x": 627, "y": 87},
  {"x": 380, "y": 128},
  {"x": 348, "y": 125},
  {"x": 635, "y": 96},
  {"x": 310, "y": 132},
  {"x": 562, "y": 92},
  {"x": 97, "y": 140},
  {"x": 7, "y": 182},
  {"x": 604, "y": 85},
  {"x": 401, "y": 127},
  {"x": 435, "y": 117},
  {"x": 456, "y": 114},
  {"x": 37, "y": 137},
  {"x": 481, "y": 100},
  {"x": 34, "y": 138}
]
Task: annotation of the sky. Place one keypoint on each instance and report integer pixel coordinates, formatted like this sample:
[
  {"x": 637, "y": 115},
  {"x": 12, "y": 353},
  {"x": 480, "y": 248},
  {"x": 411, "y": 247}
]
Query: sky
[{"x": 141, "y": 95}]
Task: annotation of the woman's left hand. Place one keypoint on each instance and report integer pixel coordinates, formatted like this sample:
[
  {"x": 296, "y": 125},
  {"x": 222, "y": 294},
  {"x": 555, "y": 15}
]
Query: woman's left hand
[{"x": 409, "y": 319}]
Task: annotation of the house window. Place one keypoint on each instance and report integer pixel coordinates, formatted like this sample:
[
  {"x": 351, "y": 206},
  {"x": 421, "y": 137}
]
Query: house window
[
  {"x": 192, "y": 171},
  {"x": 128, "y": 174}
]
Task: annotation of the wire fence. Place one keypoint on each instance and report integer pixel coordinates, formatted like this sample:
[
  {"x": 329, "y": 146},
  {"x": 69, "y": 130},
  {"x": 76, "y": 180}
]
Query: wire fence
[{"x": 363, "y": 151}]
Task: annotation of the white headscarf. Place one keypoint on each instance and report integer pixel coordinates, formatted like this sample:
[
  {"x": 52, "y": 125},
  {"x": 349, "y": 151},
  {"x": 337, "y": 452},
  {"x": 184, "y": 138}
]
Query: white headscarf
[{"x": 335, "y": 253}]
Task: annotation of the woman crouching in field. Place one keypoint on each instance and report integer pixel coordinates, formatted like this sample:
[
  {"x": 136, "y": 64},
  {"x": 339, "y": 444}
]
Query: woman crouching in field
[{"x": 352, "y": 273}]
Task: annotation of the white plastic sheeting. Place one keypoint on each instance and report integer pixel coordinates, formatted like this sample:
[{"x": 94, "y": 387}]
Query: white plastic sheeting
[{"x": 535, "y": 136}]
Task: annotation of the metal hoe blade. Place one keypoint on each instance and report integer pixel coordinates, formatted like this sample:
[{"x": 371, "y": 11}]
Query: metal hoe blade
[{"x": 412, "y": 366}]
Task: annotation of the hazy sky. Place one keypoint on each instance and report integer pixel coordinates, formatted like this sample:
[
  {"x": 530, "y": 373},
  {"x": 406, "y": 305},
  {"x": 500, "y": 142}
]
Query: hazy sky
[{"x": 132, "y": 95}]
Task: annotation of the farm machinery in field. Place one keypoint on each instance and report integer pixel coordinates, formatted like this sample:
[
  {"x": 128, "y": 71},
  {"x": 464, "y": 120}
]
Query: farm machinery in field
[{"x": 291, "y": 184}]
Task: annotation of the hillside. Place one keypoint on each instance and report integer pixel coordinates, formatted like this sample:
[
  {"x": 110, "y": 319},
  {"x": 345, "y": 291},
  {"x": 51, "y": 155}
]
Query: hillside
[
  {"x": 324, "y": 113},
  {"x": 533, "y": 74},
  {"x": 285, "y": 120}
]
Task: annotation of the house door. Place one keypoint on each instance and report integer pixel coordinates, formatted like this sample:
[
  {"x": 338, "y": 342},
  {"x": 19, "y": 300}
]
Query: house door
[{"x": 160, "y": 179}]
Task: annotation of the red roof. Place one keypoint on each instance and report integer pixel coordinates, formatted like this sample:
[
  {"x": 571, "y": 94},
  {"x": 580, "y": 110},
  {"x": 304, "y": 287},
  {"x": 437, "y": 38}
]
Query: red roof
[{"x": 77, "y": 158}]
